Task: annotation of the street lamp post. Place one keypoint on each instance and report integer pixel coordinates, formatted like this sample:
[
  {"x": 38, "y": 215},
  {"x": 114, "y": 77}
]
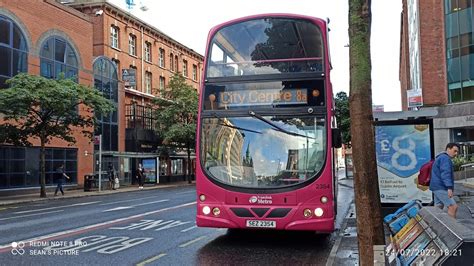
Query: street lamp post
[{"x": 100, "y": 162}]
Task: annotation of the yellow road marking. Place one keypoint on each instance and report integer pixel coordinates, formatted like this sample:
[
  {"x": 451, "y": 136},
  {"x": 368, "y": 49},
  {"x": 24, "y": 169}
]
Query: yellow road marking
[
  {"x": 151, "y": 259},
  {"x": 191, "y": 242}
]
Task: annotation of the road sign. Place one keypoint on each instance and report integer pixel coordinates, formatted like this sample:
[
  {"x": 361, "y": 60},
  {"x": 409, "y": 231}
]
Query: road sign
[
  {"x": 414, "y": 98},
  {"x": 97, "y": 140},
  {"x": 129, "y": 76}
]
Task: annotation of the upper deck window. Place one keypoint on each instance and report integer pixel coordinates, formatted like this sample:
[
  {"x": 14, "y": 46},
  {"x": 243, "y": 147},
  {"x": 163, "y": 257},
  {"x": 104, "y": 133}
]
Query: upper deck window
[{"x": 266, "y": 46}]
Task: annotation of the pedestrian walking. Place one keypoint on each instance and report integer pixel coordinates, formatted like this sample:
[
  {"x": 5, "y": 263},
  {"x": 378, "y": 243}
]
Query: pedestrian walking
[
  {"x": 60, "y": 175},
  {"x": 111, "y": 175},
  {"x": 442, "y": 179},
  {"x": 140, "y": 176}
]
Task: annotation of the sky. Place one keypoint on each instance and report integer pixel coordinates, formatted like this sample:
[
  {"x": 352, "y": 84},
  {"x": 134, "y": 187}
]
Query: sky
[{"x": 189, "y": 22}]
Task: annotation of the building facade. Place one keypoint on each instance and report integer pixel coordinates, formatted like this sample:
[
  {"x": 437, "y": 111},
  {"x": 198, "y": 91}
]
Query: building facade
[
  {"x": 437, "y": 67},
  {"x": 103, "y": 46},
  {"x": 141, "y": 60},
  {"x": 30, "y": 41}
]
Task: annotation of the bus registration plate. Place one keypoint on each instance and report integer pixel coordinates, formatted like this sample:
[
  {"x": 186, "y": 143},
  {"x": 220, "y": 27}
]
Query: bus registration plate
[{"x": 261, "y": 224}]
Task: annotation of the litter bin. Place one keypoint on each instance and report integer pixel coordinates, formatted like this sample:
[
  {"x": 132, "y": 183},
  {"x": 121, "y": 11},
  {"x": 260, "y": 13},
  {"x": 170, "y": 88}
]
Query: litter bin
[{"x": 88, "y": 180}]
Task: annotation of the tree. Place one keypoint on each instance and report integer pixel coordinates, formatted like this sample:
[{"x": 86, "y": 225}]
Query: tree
[
  {"x": 176, "y": 115},
  {"x": 343, "y": 116},
  {"x": 37, "y": 108},
  {"x": 366, "y": 190}
]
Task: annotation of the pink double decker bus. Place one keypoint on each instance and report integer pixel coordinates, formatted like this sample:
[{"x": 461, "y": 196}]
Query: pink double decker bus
[{"x": 266, "y": 128}]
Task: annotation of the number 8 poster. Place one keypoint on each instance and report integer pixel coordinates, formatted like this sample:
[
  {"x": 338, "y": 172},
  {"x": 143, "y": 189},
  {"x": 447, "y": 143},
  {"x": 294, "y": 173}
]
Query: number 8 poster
[{"x": 401, "y": 150}]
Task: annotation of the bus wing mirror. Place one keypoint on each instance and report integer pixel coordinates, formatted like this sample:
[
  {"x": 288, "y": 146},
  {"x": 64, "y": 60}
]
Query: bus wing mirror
[{"x": 336, "y": 138}]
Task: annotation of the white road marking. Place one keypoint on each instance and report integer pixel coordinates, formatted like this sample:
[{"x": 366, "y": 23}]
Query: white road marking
[
  {"x": 28, "y": 215},
  {"x": 151, "y": 259},
  {"x": 94, "y": 226},
  {"x": 192, "y": 241},
  {"x": 151, "y": 202},
  {"x": 118, "y": 209},
  {"x": 120, "y": 201},
  {"x": 188, "y": 229},
  {"x": 59, "y": 207},
  {"x": 187, "y": 192},
  {"x": 133, "y": 206}
]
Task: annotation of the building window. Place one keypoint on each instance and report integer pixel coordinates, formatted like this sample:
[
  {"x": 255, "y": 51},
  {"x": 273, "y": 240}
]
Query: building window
[
  {"x": 177, "y": 167},
  {"x": 148, "y": 82},
  {"x": 185, "y": 68},
  {"x": 459, "y": 50},
  {"x": 175, "y": 63},
  {"x": 114, "y": 37},
  {"x": 13, "y": 51},
  {"x": 139, "y": 116},
  {"x": 162, "y": 83},
  {"x": 195, "y": 70},
  {"x": 117, "y": 66},
  {"x": 147, "y": 51},
  {"x": 171, "y": 62},
  {"x": 106, "y": 81},
  {"x": 132, "y": 45},
  {"x": 58, "y": 56},
  {"x": 20, "y": 167},
  {"x": 162, "y": 58}
]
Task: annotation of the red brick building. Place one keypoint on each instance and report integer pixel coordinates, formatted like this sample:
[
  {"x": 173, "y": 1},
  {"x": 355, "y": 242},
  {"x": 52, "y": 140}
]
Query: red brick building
[
  {"x": 34, "y": 41},
  {"x": 105, "y": 47},
  {"x": 437, "y": 63},
  {"x": 141, "y": 53}
]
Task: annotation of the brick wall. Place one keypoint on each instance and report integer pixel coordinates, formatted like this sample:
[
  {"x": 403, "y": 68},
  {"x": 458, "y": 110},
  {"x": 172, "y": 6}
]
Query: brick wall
[
  {"x": 127, "y": 25},
  {"x": 433, "y": 53},
  {"x": 41, "y": 19}
]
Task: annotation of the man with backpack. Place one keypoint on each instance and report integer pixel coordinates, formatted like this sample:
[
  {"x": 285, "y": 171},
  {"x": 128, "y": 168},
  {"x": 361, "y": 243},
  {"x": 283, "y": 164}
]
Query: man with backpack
[{"x": 442, "y": 179}]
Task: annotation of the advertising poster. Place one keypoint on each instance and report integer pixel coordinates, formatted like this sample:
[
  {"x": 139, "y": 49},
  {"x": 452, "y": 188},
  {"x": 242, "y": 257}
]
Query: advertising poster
[
  {"x": 149, "y": 165},
  {"x": 401, "y": 151}
]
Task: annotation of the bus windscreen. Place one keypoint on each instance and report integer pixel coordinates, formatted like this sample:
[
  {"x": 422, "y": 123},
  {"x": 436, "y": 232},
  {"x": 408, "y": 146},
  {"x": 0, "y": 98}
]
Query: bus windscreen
[
  {"x": 263, "y": 151},
  {"x": 266, "y": 46}
]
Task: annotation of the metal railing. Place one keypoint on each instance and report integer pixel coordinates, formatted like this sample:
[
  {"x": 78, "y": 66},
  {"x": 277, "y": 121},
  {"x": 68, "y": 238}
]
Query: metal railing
[{"x": 466, "y": 167}]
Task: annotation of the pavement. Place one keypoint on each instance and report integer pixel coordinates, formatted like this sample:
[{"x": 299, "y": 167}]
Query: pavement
[
  {"x": 77, "y": 193},
  {"x": 345, "y": 250}
]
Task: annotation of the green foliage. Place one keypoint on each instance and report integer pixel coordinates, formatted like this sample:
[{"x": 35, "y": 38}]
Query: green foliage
[
  {"x": 40, "y": 108},
  {"x": 459, "y": 160},
  {"x": 343, "y": 115},
  {"x": 176, "y": 113},
  {"x": 35, "y": 108}
]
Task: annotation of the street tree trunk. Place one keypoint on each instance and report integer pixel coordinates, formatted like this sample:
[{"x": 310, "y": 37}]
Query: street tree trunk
[
  {"x": 366, "y": 190},
  {"x": 42, "y": 169}
]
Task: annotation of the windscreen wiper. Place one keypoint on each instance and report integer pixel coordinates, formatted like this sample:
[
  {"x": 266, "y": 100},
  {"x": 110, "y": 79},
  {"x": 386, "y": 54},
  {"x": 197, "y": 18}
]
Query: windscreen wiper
[
  {"x": 222, "y": 122},
  {"x": 275, "y": 126}
]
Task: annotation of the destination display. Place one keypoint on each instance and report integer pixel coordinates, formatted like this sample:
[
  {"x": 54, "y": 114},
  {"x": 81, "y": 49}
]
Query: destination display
[
  {"x": 275, "y": 94},
  {"x": 262, "y": 97}
]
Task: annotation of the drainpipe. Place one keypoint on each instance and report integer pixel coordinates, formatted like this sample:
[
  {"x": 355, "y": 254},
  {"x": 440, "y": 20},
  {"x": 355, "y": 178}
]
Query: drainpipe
[{"x": 143, "y": 63}]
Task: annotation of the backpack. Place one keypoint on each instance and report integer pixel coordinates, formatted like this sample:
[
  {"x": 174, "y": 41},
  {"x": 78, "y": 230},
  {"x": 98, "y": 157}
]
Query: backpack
[{"x": 424, "y": 177}]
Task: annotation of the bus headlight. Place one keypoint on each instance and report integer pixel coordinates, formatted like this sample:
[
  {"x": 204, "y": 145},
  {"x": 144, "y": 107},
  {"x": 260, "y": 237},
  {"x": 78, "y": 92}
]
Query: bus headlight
[
  {"x": 324, "y": 199},
  {"x": 318, "y": 212},
  {"x": 206, "y": 210},
  {"x": 307, "y": 213},
  {"x": 202, "y": 197},
  {"x": 216, "y": 211}
]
